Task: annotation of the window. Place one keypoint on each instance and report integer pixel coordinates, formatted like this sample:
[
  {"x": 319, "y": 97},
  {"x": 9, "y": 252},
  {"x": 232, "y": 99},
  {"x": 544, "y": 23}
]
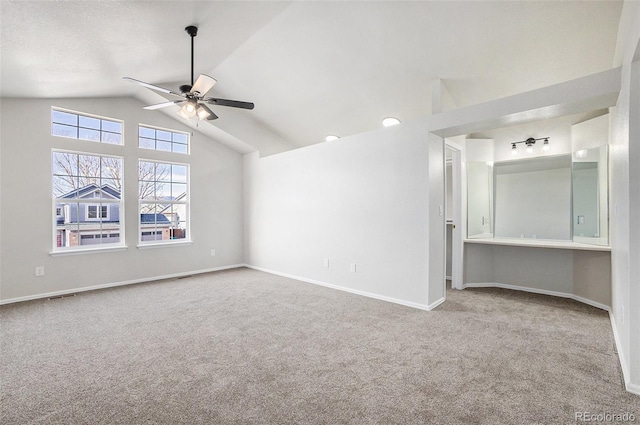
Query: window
[
  {"x": 97, "y": 212},
  {"x": 85, "y": 127},
  {"x": 163, "y": 140},
  {"x": 86, "y": 200},
  {"x": 163, "y": 192}
]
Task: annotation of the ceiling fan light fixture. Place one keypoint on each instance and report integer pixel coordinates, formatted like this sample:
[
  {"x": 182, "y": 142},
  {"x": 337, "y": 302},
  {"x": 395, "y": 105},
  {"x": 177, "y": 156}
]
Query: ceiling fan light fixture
[
  {"x": 190, "y": 108},
  {"x": 205, "y": 113}
]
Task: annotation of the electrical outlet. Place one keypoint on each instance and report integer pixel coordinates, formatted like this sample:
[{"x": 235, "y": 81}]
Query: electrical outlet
[
  {"x": 326, "y": 262},
  {"x": 213, "y": 252},
  {"x": 40, "y": 271},
  {"x": 352, "y": 268}
]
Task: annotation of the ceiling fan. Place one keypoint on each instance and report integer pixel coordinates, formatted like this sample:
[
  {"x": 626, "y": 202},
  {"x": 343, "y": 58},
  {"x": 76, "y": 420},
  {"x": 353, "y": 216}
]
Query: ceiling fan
[{"x": 193, "y": 96}]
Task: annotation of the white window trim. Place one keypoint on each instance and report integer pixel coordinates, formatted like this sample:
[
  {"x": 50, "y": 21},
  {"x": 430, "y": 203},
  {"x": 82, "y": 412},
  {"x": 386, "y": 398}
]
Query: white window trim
[
  {"x": 115, "y": 246},
  {"x": 186, "y": 203},
  {"x": 85, "y": 114},
  {"x": 188, "y": 134}
]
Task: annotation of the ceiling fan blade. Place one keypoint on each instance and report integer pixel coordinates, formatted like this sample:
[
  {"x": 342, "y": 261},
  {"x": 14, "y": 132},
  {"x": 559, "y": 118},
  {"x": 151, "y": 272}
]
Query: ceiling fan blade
[
  {"x": 163, "y": 105},
  {"x": 203, "y": 84},
  {"x": 227, "y": 102},
  {"x": 153, "y": 87}
]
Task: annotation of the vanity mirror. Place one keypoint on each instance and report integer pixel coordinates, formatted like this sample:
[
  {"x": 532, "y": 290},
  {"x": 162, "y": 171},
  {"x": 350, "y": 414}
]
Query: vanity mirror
[
  {"x": 479, "y": 199},
  {"x": 590, "y": 201},
  {"x": 555, "y": 198}
]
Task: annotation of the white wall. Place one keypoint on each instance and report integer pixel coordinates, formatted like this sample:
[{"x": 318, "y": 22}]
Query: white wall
[
  {"x": 625, "y": 197},
  {"x": 26, "y": 226},
  {"x": 362, "y": 199}
]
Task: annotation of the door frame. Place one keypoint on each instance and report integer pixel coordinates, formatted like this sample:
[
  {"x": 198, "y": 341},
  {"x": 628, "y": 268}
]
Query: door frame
[{"x": 457, "y": 200}]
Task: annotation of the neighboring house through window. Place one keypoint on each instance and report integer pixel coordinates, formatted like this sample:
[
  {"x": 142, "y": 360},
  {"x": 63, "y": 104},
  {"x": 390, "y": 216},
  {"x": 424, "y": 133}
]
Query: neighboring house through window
[
  {"x": 87, "y": 201},
  {"x": 163, "y": 191}
]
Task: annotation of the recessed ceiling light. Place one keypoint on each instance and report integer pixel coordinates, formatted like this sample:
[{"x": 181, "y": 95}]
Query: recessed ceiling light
[
  {"x": 388, "y": 122},
  {"x": 331, "y": 138}
]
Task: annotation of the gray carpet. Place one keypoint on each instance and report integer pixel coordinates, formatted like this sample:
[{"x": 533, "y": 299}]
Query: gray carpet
[{"x": 246, "y": 347}]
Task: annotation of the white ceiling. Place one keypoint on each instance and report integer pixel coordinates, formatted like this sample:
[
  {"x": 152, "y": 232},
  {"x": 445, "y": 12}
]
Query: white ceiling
[{"x": 311, "y": 67}]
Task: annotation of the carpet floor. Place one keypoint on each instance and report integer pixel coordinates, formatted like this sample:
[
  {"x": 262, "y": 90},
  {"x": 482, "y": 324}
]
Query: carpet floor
[{"x": 245, "y": 347}]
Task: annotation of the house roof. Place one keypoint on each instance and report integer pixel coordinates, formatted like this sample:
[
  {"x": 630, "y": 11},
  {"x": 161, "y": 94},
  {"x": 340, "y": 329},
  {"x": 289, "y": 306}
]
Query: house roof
[
  {"x": 87, "y": 190},
  {"x": 311, "y": 68},
  {"x": 153, "y": 218}
]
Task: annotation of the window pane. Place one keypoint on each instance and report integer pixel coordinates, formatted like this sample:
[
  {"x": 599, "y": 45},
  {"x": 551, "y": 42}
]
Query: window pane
[
  {"x": 112, "y": 126},
  {"x": 65, "y": 163},
  {"x": 64, "y": 118},
  {"x": 145, "y": 143},
  {"x": 89, "y": 122},
  {"x": 163, "y": 172},
  {"x": 64, "y": 131},
  {"x": 111, "y": 138},
  {"x": 110, "y": 188},
  {"x": 180, "y": 138},
  {"x": 163, "y": 191},
  {"x": 163, "y": 146},
  {"x": 178, "y": 190},
  {"x": 178, "y": 148},
  {"x": 88, "y": 166},
  {"x": 163, "y": 135},
  {"x": 147, "y": 132},
  {"x": 111, "y": 167},
  {"x": 179, "y": 173},
  {"x": 86, "y": 134},
  {"x": 146, "y": 190},
  {"x": 64, "y": 186}
]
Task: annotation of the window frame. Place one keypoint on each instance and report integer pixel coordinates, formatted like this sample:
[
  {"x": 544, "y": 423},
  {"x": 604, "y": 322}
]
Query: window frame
[
  {"x": 172, "y": 142},
  {"x": 186, "y": 202},
  {"x": 105, "y": 233},
  {"x": 78, "y": 127}
]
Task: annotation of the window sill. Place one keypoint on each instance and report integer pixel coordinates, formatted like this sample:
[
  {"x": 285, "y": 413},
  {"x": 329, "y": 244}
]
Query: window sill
[
  {"x": 163, "y": 245},
  {"x": 88, "y": 250}
]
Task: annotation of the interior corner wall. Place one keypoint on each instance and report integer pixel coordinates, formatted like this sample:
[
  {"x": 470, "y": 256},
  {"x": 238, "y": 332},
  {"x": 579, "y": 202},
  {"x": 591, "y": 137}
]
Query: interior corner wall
[
  {"x": 360, "y": 200},
  {"x": 26, "y": 222},
  {"x": 625, "y": 203}
]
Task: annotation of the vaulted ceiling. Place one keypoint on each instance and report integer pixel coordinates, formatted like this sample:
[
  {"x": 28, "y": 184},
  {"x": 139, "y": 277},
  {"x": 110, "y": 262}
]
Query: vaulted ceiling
[{"x": 312, "y": 68}]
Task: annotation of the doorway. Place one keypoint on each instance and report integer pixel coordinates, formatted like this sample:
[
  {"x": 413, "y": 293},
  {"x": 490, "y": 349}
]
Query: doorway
[{"x": 453, "y": 215}]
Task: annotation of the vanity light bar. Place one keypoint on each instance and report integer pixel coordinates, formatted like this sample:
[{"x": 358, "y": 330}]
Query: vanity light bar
[{"x": 529, "y": 143}]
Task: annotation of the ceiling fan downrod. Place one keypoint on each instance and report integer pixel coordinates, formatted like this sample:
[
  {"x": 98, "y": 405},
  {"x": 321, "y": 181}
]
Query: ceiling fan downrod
[{"x": 192, "y": 31}]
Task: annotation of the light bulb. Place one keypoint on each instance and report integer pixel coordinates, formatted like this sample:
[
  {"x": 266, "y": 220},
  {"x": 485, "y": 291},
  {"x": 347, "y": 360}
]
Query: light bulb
[
  {"x": 529, "y": 148},
  {"x": 189, "y": 109},
  {"x": 331, "y": 138},
  {"x": 203, "y": 112},
  {"x": 514, "y": 150},
  {"x": 545, "y": 145}
]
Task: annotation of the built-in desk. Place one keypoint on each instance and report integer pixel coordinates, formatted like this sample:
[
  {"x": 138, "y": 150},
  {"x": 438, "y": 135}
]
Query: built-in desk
[{"x": 560, "y": 268}]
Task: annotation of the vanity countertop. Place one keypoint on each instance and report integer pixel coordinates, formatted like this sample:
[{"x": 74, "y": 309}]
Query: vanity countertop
[{"x": 539, "y": 243}]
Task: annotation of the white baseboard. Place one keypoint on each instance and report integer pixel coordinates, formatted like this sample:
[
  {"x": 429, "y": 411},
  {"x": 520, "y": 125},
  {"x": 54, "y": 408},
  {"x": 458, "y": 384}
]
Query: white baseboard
[
  {"x": 538, "y": 291},
  {"x": 633, "y": 388},
  {"x": 435, "y": 304},
  {"x": 352, "y": 291},
  {"x": 111, "y": 285},
  {"x": 621, "y": 357}
]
